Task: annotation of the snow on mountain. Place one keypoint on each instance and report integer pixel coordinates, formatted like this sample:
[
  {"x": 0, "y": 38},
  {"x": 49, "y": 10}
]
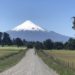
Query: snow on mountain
[
  {"x": 28, "y": 26},
  {"x": 32, "y": 32}
]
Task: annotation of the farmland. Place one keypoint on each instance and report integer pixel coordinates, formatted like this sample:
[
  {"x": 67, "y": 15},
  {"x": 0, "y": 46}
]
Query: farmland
[
  {"x": 66, "y": 57},
  {"x": 10, "y": 56},
  {"x": 62, "y": 61}
]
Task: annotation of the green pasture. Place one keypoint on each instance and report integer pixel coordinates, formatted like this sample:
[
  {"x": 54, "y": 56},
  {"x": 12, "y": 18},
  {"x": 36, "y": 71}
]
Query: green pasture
[{"x": 9, "y": 56}]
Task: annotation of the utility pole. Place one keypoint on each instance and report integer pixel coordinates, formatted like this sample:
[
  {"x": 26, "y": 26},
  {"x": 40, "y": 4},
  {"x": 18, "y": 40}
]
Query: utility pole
[{"x": 73, "y": 23}]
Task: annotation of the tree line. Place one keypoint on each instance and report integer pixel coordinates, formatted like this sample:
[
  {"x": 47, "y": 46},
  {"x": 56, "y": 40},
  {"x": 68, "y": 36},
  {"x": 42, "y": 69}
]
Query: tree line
[
  {"x": 6, "y": 40},
  {"x": 47, "y": 44}
]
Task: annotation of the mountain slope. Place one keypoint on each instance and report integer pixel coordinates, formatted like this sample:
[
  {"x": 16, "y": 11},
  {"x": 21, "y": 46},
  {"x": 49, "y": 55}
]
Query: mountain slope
[
  {"x": 33, "y": 32},
  {"x": 38, "y": 36}
]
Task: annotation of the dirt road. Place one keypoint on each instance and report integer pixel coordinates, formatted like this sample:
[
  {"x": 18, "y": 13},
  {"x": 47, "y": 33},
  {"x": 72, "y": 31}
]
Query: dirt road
[{"x": 31, "y": 64}]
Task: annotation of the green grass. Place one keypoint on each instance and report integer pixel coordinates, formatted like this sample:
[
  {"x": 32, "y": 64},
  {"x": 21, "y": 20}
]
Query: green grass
[
  {"x": 55, "y": 64},
  {"x": 10, "y": 56}
]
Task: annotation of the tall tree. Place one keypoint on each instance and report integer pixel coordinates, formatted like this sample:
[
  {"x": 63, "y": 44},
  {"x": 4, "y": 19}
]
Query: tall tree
[
  {"x": 6, "y": 39},
  {"x": 25, "y": 42},
  {"x": 1, "y": 37},
  {"x": 18, "y": 42},
  {"x": 58, "y": 45},
  {"x": 48, "y": 44},
  {"x": 30, "y": 44},
  {"x": 38, "y": 45},
  {"x": 70, "y": 44}
]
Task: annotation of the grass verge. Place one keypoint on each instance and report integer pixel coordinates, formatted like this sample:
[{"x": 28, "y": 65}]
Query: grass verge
[
  {"x": 11, "y": 59},
  {"x": 60, "y": 69}
]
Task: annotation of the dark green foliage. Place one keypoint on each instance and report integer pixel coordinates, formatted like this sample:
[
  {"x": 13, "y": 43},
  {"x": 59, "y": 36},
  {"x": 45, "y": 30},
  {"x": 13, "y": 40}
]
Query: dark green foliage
[
  {"x": 58, "y": 45},
  {"x": 38, "y": 45},
  {"x": 25, "y": 42},
  {"x": 18, "y": 42},
  {"x": 70, "y": 44},
  {"x": 66, "y": 45},
  {"x": 30, "y": 44},
  {"x": 6, "y": 39},
  {"x": 48, "y": 44},
  {"x": 0, "y": 37}
]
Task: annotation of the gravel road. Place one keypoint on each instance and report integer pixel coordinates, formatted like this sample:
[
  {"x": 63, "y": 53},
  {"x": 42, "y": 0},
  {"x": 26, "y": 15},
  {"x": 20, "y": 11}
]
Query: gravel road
[{"x": 31, "y": 64}]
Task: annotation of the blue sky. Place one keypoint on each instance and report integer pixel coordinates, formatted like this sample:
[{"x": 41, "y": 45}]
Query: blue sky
[{"x": 53, "y": 15}]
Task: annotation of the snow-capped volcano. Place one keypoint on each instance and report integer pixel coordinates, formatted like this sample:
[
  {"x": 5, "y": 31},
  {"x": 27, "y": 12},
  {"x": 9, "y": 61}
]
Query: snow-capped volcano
[
  {"x": 28, "y": 26},
  {"x": 32, "y": 32}
]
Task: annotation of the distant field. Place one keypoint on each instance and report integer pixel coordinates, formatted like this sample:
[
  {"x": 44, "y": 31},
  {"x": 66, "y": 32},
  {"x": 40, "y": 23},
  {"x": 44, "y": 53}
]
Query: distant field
[
  {"x": 10, "y": 56},
  {"x": 67, "y": 57},
  {"x": 8, "y": 50},
  {"x": 62, "y": 61},
  {"x": 11, "y": 48}
]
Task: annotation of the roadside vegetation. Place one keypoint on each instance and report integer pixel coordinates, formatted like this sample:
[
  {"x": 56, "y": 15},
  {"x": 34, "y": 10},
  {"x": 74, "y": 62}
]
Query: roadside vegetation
[
  {"x": 10, "y": 56},
  {"x": 66, "y": 58},
  {"x": 56, "y": 61}
]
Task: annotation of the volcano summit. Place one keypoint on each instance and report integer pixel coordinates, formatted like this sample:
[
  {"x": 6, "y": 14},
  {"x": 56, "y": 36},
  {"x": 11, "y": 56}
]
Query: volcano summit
[{"x": 28, "y": 26}]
